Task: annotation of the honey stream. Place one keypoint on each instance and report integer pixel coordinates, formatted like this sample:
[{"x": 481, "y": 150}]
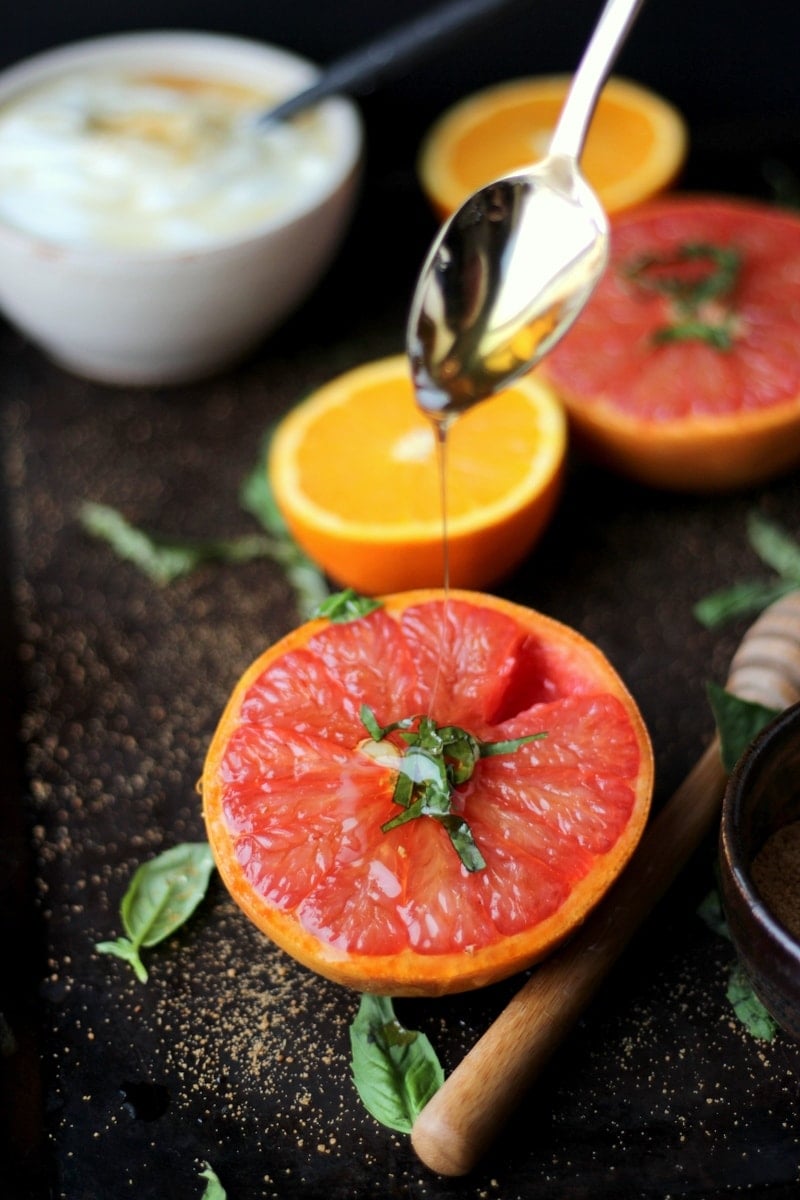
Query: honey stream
[{"x": 441, "y": 423}]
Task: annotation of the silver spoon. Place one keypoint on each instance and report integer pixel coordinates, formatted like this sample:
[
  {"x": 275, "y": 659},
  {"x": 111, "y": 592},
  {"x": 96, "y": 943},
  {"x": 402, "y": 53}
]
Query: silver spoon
[{"x": 511, "y": 270}]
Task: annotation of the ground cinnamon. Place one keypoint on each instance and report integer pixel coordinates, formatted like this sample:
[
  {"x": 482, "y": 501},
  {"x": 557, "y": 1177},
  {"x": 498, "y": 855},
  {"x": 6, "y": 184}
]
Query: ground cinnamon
[{"x": 776, "y": 875}]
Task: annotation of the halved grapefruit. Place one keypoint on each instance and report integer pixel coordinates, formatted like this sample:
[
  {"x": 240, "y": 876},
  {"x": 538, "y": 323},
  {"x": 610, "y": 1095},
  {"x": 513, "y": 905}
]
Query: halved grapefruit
[
  {"x": 313, "y": 772},
  {"x": 683, "y": 371}
]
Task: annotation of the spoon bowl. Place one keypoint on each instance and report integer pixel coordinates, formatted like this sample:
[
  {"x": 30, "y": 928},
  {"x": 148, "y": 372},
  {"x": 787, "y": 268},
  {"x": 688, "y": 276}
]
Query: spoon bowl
[
  {"x": 506, "y": 277},
  {"x": 512, "y": 268}
]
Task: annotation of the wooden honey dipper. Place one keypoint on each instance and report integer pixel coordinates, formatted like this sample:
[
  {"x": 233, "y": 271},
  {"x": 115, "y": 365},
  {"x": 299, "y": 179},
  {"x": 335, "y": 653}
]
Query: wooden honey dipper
[{"x": 460, "y": 1121}]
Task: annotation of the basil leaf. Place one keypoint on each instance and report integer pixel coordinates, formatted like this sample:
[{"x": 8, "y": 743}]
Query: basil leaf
[
  {"x": 125, "y": 949},
  {"x": 257, "y": 497},
  {"x": 747, "y": 1006},
  {"x": 488, "y": 749},
  {"x": 739, "y": 600},
  {"x": 738, "y": 721},
  {"x": 774, "y": 546},
  {"x": 345, "y": 606},
  {"x": 662, "y": 273},
  {"x": 162, "y": 895},
  {"x": 370, "y": 723},
  {"x": 778, "y": 550},
  {"x": 214, "y": 1189},
  {"x": 165, "y": 891},
  {"x": 308, "y": 584},
  {"x": 395, "y": 1070},
  {"x": 164, "y": 559},
  {"x": 463, "y": 842}
]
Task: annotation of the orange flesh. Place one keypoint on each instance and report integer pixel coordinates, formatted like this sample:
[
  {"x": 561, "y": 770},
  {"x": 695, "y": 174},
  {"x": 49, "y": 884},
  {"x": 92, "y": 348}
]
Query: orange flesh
[
  {"x": 294, "y": 806},
  {"x": 396, "y": 477},
  {"x": 518, "y": 134},
  {"x": 353, "y": 469},
  {"x": 635, "y": 146}
]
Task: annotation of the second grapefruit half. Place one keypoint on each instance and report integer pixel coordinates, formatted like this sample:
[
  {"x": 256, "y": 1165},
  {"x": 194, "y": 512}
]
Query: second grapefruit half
[{"x": 683, "y": 371}]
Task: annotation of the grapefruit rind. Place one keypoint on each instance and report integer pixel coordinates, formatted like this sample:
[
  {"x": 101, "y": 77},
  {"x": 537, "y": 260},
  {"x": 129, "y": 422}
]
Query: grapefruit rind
[
  {"x": 698, "y": 454},
  {"x": 406, "y": 972}
]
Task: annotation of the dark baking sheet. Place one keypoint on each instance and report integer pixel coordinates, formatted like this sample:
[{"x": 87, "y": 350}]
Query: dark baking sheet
[{"x": 232, "y": 1054}]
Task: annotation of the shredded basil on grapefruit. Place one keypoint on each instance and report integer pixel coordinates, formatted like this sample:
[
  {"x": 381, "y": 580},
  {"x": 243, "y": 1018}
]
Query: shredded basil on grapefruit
[{"x": 437, "y": 758}]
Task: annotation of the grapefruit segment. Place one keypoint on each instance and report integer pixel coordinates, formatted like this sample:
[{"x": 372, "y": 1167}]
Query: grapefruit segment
[{"x": 302, "y": 821}]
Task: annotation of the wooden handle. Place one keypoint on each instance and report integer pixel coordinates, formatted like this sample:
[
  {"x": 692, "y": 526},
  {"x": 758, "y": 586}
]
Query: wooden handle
[{"x": 457, "y": 1125}]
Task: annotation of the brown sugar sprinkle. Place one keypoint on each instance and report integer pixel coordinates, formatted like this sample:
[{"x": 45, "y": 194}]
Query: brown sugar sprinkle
[{"x": 776, "y": 874}]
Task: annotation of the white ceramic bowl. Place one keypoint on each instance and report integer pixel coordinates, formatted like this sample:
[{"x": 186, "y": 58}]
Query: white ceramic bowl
[{"x": 152, "y": 317}]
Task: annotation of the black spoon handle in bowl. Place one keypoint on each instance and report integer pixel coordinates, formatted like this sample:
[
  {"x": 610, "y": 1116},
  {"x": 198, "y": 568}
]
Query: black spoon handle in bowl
[{"x": 400, "y": 47}]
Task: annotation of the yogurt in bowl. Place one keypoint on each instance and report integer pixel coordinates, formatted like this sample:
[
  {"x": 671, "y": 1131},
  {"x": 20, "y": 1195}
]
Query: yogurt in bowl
[
  {"x": 150, "y": 230},
  {"x": 144, "y": 161}
]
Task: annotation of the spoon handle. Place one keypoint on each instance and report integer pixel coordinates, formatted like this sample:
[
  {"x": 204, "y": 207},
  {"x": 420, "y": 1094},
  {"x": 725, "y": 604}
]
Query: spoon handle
[
  {"x": 402, "y": 46},
  {"x": 610, "y": 32}
]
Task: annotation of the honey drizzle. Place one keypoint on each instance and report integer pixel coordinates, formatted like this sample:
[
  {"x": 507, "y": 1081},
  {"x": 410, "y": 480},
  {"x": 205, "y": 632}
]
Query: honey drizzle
[{"x": 441, "y": 424}]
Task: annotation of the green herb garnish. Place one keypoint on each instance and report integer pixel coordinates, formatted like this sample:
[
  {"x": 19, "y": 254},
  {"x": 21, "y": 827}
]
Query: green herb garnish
[
  {"x": 436, "y": 759},
  {"x": 214, "y": 1189},
  {"x": 162, "y": 558},
  {"x": 778, "y": 550},
  {"x": 747, "y": 1006},
  {"x": 165, "y": 559},
  {"x": 162, "y": 894},
  {"x": 738, "y": 721},
  {"x": 739, "y": 991},
  {"x": 395, "y": 1070},
  {"x": 696, "y": 294},
  {"x": 346, "y": 606}
]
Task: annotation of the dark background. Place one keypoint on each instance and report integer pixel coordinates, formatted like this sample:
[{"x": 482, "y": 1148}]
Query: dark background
[
  {"x": 723, "y": 62},
  {"x": 659, "y": 1091}
]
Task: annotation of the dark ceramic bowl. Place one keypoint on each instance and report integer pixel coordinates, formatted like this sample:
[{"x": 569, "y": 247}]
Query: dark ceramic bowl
[{"x": 763, "y": 796}]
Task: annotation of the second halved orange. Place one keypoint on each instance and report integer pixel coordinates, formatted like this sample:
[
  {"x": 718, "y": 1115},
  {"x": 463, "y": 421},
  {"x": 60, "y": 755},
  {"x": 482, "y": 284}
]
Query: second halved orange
[{"x": 635, "y": 147}]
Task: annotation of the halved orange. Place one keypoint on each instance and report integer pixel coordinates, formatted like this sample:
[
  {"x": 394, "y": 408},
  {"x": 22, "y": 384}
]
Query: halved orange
[
  {"x": 297, "y": 793},
  {"x": 354, "y": 471},
  {"x": 684, "y": 369},
  {"x": 636, "y": 145}
]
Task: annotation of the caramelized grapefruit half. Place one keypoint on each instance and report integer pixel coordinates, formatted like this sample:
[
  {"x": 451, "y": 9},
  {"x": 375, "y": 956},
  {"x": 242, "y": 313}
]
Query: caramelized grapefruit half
[{"x": 300, "y": 791}]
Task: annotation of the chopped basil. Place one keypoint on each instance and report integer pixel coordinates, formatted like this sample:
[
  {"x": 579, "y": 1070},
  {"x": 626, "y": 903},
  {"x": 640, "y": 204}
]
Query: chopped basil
[
  {"x": 162, "y": 558},
  {"x": 257, "y": 498},
  {"x": 346, "y": 606},
  {"x": 395, "y": 1070},
  {"x": 436, "y": 760},
  {"x": 162, "y": 894},
  {"x": 165, "y": 559},
  {"x": 774, "y": 546},
  {"x": 711, "y": 277},
  {"x": 777, "y": 549}
]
